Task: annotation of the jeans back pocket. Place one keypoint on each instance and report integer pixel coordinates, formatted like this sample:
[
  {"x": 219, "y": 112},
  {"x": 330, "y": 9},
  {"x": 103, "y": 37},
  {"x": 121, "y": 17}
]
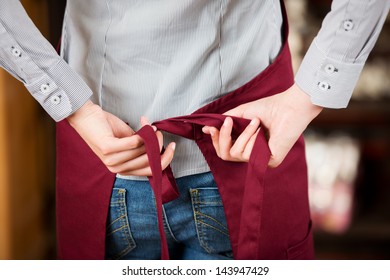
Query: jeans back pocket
[
  {"x": 210, "y": 221},
  {"x": 119, "y": 240}
]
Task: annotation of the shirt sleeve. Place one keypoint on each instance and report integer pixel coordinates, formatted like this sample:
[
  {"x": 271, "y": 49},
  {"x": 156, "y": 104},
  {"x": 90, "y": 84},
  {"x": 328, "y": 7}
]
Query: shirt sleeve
[
  {"x": 335, "y": 59},
  {"x": 31, "y": 59}
]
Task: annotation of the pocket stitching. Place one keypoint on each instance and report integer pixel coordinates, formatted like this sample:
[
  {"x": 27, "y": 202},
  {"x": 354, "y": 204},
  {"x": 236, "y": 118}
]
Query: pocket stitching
[
  {"x": 216, "y": 221},
  {"x": 199, "y": 228},
  {"x": 301, "y": 247},
  {"x": 120, "y": 205},
  {"x": 200, "y": 224}
]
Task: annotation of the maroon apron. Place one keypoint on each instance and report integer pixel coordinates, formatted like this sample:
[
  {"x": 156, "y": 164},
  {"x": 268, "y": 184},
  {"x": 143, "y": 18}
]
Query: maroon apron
[{"x": 267, "y": 210}]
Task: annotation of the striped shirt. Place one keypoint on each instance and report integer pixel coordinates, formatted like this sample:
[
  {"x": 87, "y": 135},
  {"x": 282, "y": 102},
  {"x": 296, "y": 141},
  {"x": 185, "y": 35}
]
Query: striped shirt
[{"x": 168, "y": 58}]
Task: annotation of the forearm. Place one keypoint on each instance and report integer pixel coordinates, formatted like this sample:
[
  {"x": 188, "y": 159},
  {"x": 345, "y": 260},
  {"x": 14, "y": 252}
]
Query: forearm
[
  {"x": 335, "y": 59},
  {"x": 30, "y": 58}
]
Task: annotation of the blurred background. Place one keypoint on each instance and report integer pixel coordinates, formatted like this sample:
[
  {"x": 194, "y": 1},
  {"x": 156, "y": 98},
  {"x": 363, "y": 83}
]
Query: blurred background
[{"x": 348, "y": 153}]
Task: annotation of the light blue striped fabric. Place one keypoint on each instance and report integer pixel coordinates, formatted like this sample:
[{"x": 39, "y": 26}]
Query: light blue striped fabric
[
  {"x": 29, "y": 57},
  {"x": 167, "y": 58},
  {"x": 332, "y": 65}
]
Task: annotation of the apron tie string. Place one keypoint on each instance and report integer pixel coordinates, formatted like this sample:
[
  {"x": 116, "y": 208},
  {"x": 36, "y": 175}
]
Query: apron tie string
[{"x": 165, "y": 188}]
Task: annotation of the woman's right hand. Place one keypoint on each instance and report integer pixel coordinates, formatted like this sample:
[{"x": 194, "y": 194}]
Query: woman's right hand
[{"x": 114, "y": 142}]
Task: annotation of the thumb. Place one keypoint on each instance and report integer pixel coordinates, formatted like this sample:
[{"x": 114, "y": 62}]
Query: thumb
[
  {"x": 119, "y": 128},
  {"x": 279, "y": 147},
  {"x": 236, "y": 112}
]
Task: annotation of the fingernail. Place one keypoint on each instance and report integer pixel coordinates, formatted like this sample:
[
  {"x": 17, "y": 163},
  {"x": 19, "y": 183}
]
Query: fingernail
[
  {"x": 253, "y": 122},
  {"x": 154, "y": 128},
  {"x": 173, "y": 146},
  {"x": 226, "y": 122}
]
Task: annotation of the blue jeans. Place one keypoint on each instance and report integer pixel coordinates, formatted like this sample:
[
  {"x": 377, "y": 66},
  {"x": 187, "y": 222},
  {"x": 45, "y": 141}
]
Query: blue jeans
[{"x": 195, "y": 223}]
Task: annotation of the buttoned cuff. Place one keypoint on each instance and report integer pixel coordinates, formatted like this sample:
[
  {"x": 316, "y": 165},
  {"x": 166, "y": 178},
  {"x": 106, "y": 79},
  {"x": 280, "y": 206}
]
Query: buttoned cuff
[
  {"x": 329, "y": 83},
  {"x": 60, "y": 91}
]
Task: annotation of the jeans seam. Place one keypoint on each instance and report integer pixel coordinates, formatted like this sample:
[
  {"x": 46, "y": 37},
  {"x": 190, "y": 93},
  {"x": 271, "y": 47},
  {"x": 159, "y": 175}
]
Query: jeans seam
[
  {"x": 120, "y": 205},
  {"x": 118, "y": 229},
  {"x": 216, "y": 221},
  {"x": 166, "y": 223},
  {"x": 198, "y": 222},
  {"x": 126, "y": 226},
  {"x": 114, "y": 221}
]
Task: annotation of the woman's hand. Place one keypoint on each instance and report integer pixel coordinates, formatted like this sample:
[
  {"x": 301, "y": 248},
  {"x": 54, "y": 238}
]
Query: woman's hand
[
  {"x": 114, "y": 142},
  {"x": 285, "y": 116}
]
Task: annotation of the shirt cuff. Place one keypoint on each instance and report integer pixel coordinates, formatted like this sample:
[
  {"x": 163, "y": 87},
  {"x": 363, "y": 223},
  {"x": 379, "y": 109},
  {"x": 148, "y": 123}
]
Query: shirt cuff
[
  {"x": 329, "y": 82},
  {"x": 60, "y": 91}
]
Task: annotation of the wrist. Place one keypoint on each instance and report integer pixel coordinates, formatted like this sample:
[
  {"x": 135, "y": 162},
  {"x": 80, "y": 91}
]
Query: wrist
[
  {"x": 303, "y": 101},
  {"x": 85, "y": 110}
]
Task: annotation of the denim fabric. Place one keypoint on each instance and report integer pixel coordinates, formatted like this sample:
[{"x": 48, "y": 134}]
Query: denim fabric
[{"x": 194, "y": 223}]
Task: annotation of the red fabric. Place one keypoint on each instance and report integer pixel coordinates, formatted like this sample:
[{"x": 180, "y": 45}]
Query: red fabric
[
  {"x": 267, "y": 210},
  {"x": 83, "y": 194}
]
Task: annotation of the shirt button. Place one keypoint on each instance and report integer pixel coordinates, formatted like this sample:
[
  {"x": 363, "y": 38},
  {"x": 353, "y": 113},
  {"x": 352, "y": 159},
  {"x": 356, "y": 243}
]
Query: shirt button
[
  {"x": 16, "y": 52},
  {"x": 45, "y": 88},
  {"x": 324, "y": 86},
  {"x": 55, "y": 100},
  {"x": 348, "y": 25},
  {"x": 329, "y": 69}
]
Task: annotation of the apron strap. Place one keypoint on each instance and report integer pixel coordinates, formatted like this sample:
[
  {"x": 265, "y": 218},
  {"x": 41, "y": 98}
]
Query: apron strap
[
  {"x": 165, "y": 189},
  {"x": 249, "y": 235},
  {"x": 153, "y": 151}
]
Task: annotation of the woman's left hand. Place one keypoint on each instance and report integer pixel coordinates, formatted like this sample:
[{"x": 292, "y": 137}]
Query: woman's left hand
[{"x": 285, "y": 116}]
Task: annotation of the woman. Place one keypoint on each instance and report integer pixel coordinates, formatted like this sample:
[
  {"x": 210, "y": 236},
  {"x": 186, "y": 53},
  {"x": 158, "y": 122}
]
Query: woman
[{"x": 167, "y": 59}]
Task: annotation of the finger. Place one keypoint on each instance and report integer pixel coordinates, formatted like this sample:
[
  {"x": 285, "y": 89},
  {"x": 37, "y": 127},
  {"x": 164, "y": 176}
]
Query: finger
[
  {"x": 279, "y": 148},
  {"x": 206, "y": 129},
  {"x": 119, "y": 128},
  {"x": 225, "y": 139},
  {"x": 136, "y": 162},
  {"x": 131, "y": 165},
  {"x": 166, "y": 159},
  {"x": 111, "y": 145},
  {"x": 214, "y": 133},
  {"x": 237, "y": 112},
  {"x": 215, "y": 139},
  {"x": 145, "y": 121},
  {"x": 146, "y": 171},
  {"x": 116, "y": 159},
  {"x": 249, "y": 146},
  {"x": 240, "y": 144},
  {"x": 168, "y": 154},
  {"x": 160, "y": 139}
]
